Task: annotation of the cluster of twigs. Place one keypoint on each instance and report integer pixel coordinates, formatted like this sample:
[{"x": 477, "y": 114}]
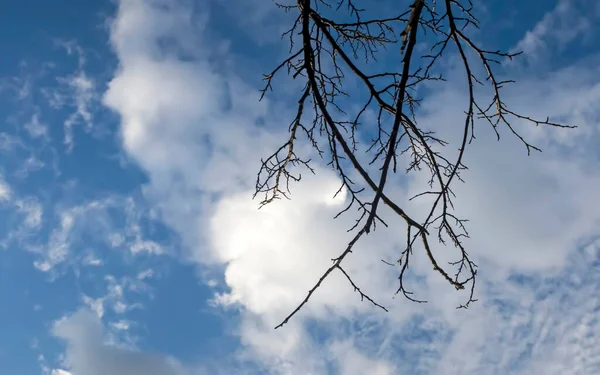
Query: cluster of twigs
[{"x": 325, "y": 53}]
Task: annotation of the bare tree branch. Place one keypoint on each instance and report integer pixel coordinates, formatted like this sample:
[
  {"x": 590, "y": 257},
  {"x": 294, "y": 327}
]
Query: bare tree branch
[{"x": 333, "y": 52}]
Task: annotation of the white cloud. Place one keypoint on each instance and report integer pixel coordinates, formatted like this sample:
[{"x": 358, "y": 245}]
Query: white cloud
[
  {"x": 84, "y": 91},
  {"x": 149, "y": 273},
  {"x": 8, "y": 142},
  {"x": 33, "y": 211},
  {"x": 526, "y": 328},
  {"x": 99, "y": 220},
  {"x": 5, "y": 190},
  {"x": 146, "y": 246},
  {"x": 121, "y": 325},
  {"x": 274, "y": 255},
  {"x": 91, "y": 260},
  {"x": 519, "y": 205},
  {"x": 528, "y": 215},
  {"x": 568, "y": 21},
  {"x": 353, "y": 362},
  {"x": 94, "y": 304},
  {"x": 116, "y": 239},
  {"x": 76, "y": 91},
  {"x": 176, "y": 116},
  {"x": 36, "y": 128},
  {"x": 31, "y": 164},
  {"x": 28, "y": 212},
  {"x": 88, "y": 353},
  {"x": 60, "y": 241},
  {"x": 114, "y": 299}
]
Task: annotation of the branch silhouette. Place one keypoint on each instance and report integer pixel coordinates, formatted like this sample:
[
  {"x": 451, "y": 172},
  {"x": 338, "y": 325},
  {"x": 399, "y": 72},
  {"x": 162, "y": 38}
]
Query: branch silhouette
[{"x": 330, "y": 53}]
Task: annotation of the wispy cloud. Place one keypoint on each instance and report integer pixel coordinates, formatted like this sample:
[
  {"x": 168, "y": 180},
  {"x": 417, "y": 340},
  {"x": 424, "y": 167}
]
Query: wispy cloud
[
  {"x": 530, "y": 217},
  {"x": 5, "y": 190},
  {"x": 33, "y": 211},
  {"x": 36, "y": 128},
  {"x": 114, "y": 299},
  {"x": 76, "y": 91},
  {"x": 569, "y": 21},
  {"x": 84, "y": 91},
  {"x": 114, "y": 222}
]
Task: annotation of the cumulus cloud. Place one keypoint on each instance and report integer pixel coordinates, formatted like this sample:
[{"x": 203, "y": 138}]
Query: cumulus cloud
[
  {"x": 176, "y": 126},
  {"x": 295, "y": 235},
  {"x": 198, "y": 133},
  {"x": 88, "y": 353},
  {"x": 195, "y": 149}
]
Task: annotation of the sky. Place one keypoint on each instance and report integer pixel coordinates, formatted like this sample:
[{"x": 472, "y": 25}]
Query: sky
[{"x": 130, "y": 138}]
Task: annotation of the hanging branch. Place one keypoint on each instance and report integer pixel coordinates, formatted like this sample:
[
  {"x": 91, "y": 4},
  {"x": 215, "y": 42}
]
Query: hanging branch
[{"x": 331, "y": 53}]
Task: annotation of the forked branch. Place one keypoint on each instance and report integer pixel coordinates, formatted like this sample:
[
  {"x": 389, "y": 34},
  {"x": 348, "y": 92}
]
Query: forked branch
[{"x": 329, "y": 56}]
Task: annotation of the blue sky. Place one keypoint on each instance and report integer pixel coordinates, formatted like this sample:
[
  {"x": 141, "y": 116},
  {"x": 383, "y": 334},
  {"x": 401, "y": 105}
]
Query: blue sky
[{"x": 130, "y": 138}]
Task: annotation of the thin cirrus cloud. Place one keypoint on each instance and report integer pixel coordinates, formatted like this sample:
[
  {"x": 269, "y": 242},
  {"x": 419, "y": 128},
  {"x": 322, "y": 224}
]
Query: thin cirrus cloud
[
  {"x": 532, "y": 221},
  {"x": 5, "y": 190},
  {"x": 570, "y": 21}
]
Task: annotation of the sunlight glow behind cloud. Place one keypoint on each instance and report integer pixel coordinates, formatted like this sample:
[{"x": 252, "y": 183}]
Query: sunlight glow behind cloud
[{"x": 187, "y": 114}]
